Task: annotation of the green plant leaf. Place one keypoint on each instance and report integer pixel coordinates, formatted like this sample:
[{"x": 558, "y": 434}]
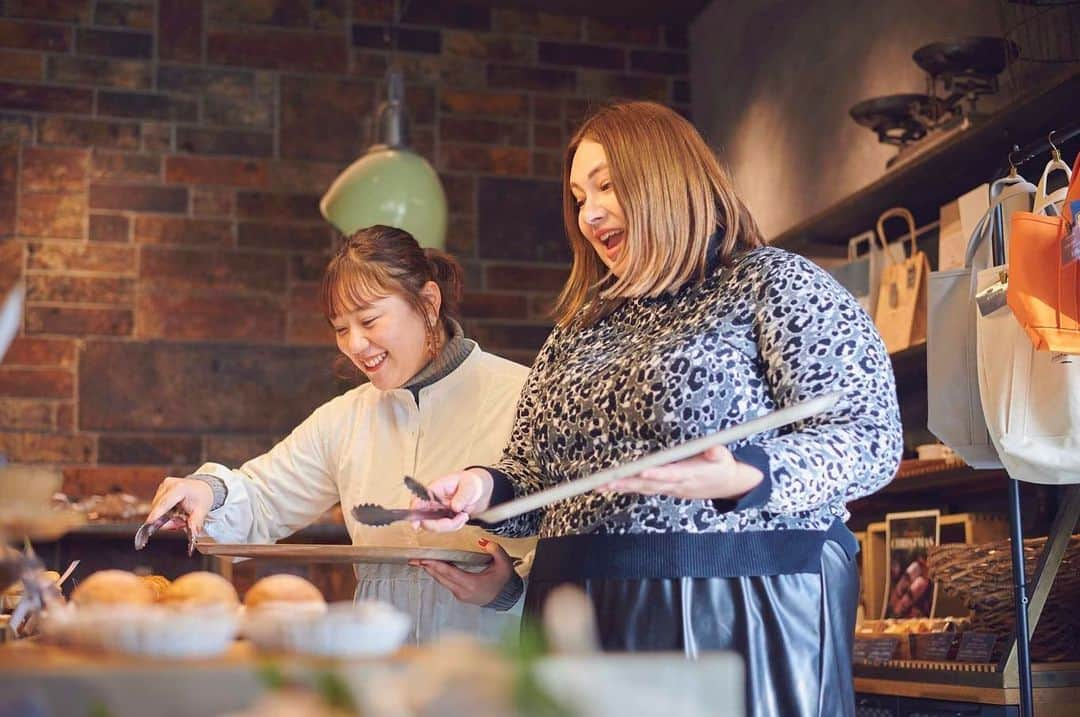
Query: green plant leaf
[
  {"x": 271, "y": 675},
  {"x": 334, "y": 691},
  {"x": 98, "y": 709}
]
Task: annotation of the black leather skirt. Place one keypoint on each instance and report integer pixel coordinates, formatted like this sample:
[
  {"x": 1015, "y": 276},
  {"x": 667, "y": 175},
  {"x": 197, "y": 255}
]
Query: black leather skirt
[{"x": 794, "y": 631}]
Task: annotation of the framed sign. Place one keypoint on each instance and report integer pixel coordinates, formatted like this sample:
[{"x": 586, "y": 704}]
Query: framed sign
[{"x": 909, "y": 592}]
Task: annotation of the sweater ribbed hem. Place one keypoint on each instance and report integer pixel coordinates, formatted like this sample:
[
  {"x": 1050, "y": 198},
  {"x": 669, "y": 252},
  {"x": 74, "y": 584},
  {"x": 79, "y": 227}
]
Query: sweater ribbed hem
[
  {"x": 509, "y": 595},
  {"x": 673, "y": 555},
  {"x": 502, "y": 490},
  {"x": 217, "y": 487}
]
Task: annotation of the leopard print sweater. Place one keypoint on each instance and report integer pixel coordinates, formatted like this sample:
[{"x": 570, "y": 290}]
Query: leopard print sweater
[{"x": 770, "y": 330}]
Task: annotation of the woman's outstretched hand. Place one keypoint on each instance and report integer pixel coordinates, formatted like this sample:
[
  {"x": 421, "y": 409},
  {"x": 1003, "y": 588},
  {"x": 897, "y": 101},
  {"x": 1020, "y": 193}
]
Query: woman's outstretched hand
[
  {"x": 710, "y": 475},
  {"x": 192, "y": 496},
  {"x": 474, "y": 588},
  {"x": 466, "y": 492}
]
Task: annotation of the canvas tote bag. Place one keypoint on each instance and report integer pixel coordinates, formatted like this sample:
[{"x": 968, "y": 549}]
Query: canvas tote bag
[
  {"x": 1030, "y": 398},
  {"x": 1044, "y": 289},
  {"x": 901, "y": 307},
  {"x": 854, "y": 274},
  {"x": 861, "y": 274},
  {"x": 954, "y": 408}
]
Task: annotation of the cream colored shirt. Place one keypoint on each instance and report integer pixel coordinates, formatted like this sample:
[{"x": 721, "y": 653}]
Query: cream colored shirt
[{"x": 357, "y": 447}]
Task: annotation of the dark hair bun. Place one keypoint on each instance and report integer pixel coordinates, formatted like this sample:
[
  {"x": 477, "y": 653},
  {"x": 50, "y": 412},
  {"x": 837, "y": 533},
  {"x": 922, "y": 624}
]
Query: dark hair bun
[{"x": 448, "y": 274}]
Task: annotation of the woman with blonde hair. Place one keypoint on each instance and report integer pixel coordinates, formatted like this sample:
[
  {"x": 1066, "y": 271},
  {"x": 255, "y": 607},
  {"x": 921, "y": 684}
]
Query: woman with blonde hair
[
  {"x": 677, "y": 322},
  {"x": 433, "y": 400}
]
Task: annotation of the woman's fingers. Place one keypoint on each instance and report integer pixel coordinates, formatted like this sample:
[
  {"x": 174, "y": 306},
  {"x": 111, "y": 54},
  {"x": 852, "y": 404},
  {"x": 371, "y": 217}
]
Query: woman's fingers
[
  {"x": 163, "y": 503},
  {"x": 193, "y": 496},
  {"x": 497, "y": 553},
  {"x": 421, "y": 504},
  {"x": 718, "y": 454},
  {"x": 445, "y": 525},
  {"x": 195, "y": 521},
  {"x": 446, "y": 575},
  {"x": 658, "y": 480},
  {"x": 456, "y": 491},
  {"x": 478, "y": 588},
  {"x": 163, "y": 487},
  {"x": 709, "y": 475},
  {"x": 674, "y": 477},
  {"x": 442, "y": 525},
  {"x": 463, "y": 492},
  {"x": 646, "y": 486},
  {"x": 442, "y": 490},
  {"x": 468, "y": 494}
]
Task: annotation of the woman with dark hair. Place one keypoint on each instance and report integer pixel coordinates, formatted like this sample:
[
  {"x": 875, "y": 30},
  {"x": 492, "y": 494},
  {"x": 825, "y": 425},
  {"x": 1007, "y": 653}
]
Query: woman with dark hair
[
  {"x": 677, "y": 322},
  {"x": 433, "y": 401}
]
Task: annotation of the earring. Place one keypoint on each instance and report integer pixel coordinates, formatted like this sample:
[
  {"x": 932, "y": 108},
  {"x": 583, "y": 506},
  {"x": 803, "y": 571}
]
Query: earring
[{"x": 432, "y": 349}]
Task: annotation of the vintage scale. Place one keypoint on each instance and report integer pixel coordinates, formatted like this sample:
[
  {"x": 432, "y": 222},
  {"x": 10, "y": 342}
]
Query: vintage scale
[{"x": 964, "y": 69}]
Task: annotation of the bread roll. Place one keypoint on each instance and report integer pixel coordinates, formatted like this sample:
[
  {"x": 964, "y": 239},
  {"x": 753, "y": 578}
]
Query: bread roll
[
  {"x": 112, "y": 587},
  {"x": 283, "y": 588},
  {"x": 200, "y": 588},
  {"x": 157, "y": 583}
]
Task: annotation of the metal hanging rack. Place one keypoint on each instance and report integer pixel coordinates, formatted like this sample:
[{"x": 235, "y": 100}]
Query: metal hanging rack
[{"x": 1015, "y": 664}]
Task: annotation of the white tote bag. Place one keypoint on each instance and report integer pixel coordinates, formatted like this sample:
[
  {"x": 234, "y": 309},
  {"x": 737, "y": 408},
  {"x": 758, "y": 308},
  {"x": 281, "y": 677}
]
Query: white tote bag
[
  {"x": 1031, "y": 399},
  {"x": 954, "y": 408}
]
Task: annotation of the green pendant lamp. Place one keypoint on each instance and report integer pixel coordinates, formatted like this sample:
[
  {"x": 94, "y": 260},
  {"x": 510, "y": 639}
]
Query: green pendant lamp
[{"x": 390, "y": 184}]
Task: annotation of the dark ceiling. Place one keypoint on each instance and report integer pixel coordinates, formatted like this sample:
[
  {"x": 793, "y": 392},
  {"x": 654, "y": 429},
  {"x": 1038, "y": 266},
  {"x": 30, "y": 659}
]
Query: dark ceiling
[{"x": 650, "y": 11}]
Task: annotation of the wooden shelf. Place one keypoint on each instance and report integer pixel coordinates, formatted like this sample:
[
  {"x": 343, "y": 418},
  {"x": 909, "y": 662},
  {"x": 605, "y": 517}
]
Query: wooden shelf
[
  {"x": 951, "y": 486},
  {"x": 1057, "y": 685},
  {"x": 915, "y": 476},
  {"x": 942, "y": 172}
]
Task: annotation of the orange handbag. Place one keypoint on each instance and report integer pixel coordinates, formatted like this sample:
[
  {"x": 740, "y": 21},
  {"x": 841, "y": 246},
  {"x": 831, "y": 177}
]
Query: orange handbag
[{"x": 1043, "y": 292}]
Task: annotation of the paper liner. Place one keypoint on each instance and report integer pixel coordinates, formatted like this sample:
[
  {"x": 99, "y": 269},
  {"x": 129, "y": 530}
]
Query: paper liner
[
  {"x": 144, "y": 630},
  {"x": 344, "y": 630}
]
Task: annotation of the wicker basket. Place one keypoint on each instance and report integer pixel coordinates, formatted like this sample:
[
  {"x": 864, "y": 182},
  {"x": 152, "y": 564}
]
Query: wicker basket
[{"x": 981, "y": 576}]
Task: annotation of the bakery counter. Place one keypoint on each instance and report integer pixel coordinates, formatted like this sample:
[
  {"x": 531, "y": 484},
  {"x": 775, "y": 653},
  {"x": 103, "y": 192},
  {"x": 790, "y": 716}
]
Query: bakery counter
[
  {"x": 905, "y": 687},
  {"x": 39, "y": 679},
  {"x": 451, "y": 679}
]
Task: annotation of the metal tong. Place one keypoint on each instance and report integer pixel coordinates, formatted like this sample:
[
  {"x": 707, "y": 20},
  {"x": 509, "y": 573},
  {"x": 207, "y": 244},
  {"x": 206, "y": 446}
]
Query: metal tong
[
  {"x": 376, "y": 515},
  {"x": 142, "y": 535}
]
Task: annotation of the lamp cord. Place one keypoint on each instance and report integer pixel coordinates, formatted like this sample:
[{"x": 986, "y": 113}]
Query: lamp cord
[{"x": 390, "y": 31}]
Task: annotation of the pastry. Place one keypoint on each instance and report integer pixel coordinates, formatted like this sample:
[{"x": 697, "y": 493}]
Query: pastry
[
  {"x": 284, "y": 588},
  {"x": 200, "y": 588},
  {"x": 112, "y": 587}
]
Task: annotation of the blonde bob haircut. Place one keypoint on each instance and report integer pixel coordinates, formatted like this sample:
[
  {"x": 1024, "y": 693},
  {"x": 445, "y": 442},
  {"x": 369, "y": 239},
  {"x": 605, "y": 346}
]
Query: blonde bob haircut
[{"x": 674, "y": 194}]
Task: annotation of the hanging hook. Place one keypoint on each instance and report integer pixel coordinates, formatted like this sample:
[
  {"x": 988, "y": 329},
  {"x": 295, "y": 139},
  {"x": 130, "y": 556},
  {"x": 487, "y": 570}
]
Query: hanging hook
[
  {"x": 1012, "y": 164},
  {"x": 1054, "y": 151}
]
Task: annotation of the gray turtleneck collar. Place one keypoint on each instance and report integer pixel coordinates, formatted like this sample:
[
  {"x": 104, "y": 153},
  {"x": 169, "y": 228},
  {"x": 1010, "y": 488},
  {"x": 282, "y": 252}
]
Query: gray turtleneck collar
[{"x": 456, "y": 350}]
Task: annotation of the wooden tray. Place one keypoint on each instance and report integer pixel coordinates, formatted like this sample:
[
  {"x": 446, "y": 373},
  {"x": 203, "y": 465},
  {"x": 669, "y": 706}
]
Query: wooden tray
[
  {"x": 341, "y": 553},
  {"x": 43, "y": 525}
]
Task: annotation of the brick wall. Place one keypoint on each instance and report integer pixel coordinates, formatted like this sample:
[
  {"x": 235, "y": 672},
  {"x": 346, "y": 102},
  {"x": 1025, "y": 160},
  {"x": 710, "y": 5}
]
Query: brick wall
[{"x": 160, "y": 166}]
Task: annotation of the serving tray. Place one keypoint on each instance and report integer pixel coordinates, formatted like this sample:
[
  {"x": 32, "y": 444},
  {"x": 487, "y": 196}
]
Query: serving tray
[{"x": 308, "y": 553}]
